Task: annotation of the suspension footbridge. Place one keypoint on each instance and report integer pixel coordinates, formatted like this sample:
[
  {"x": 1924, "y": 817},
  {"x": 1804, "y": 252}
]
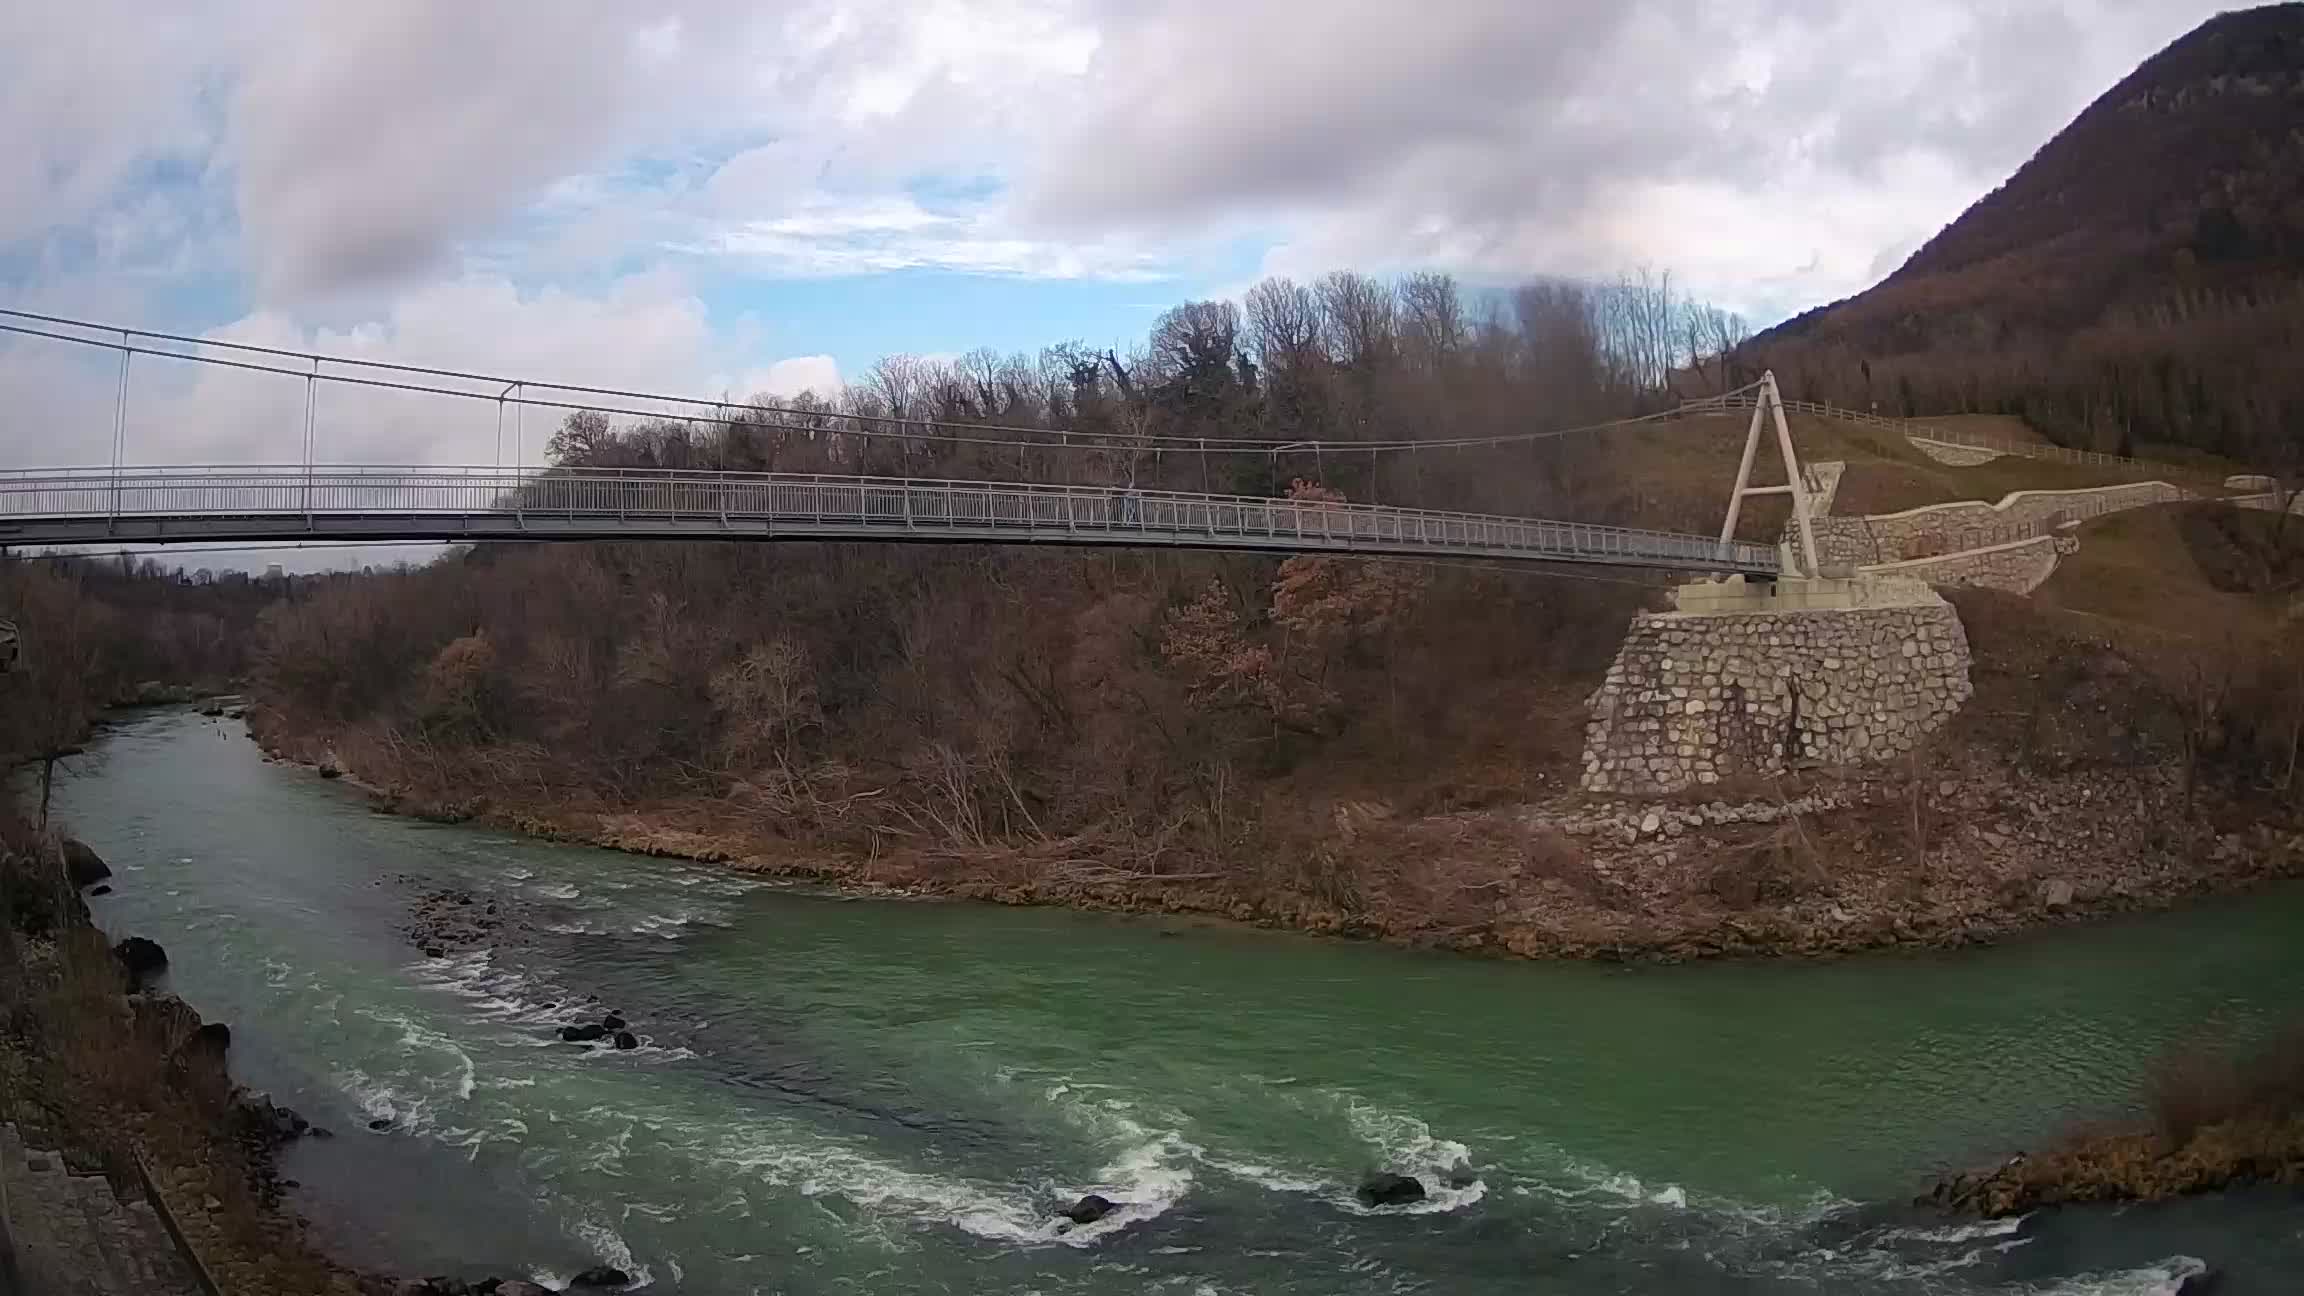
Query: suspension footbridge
[{"x": 121, "y": 502}]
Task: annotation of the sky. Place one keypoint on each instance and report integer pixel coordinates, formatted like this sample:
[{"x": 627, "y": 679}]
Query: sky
[{"x": 743, "y": 196}]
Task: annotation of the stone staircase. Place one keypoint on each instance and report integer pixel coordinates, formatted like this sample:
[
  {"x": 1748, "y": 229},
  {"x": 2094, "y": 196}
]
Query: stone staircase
[{"x": 73, "y": 1237}]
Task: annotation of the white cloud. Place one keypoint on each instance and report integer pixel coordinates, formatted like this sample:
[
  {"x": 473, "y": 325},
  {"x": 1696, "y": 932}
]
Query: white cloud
[
  {"x": 646, "y": 333},
  {"x": 92, "y": 94},
  {"x": 826, "y": 237},
  {"x": 368, "y": 139},
  {"x": 787, "y": 378},
  {"x": 1771, "y": 147},
  {"x": 362, "y": 163}
]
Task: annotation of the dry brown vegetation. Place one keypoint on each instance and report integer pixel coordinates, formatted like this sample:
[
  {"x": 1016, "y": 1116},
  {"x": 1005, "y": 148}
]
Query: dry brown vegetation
[{"x": 93, "y": 632}]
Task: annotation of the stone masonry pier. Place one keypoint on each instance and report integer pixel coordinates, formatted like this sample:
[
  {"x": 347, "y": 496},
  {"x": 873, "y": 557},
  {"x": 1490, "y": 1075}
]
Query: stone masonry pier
[{"x": 1763, "y": 679}]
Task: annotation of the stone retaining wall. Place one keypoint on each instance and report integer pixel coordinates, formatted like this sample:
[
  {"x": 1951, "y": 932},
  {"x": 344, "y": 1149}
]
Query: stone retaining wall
[
  {"x": 1695, "y": 698},
  {"x": 2017, "y": 568},
  {"x": 1939, "y": 529},
  {"x": 1823, "y": 481},
  {"x": 2271, "y": 502},
  {"x": 1823, "y": 478}
]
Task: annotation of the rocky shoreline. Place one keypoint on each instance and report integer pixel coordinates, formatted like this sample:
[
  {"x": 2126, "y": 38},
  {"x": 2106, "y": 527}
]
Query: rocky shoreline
[
  {"x": 2224, "y": 1114},
  {"x": 1824, "y": 866},
  {"x": 210, "y": 1146},
  {"x": 2128, "y": 1166}
]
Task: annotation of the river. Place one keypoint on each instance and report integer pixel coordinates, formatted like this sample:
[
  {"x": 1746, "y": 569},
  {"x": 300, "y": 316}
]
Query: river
[{"x": 891, "y": 1097}]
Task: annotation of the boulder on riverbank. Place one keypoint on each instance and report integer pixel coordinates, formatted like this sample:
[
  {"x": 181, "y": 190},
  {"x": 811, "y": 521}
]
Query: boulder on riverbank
[
  {"x": 2202, "y": 1283},
  {"x": 83, "y": 867},
  {"x": 273, "y": 1124},
  {"x": 142, "y": 959},
  {"x": 1384, "y": 1189}
]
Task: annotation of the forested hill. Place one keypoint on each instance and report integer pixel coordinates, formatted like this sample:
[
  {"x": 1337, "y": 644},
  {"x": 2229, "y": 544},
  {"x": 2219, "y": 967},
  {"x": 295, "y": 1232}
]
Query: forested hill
[{"x": 2139, "y": 281}]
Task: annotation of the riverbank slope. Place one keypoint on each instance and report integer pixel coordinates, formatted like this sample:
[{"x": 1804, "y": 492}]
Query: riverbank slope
[
  {"x": 109, "y": 1076},
  {"x": 2075, "y": 783}
]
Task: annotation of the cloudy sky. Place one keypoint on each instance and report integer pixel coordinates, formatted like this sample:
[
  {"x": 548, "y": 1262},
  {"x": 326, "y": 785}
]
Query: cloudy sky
[{"x": 737, "y": 195}]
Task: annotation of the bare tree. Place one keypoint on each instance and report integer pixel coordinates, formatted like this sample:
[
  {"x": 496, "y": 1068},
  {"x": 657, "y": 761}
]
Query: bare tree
[
  {"x": 1637, "y": 317},
  {"x": 1709, "y": 338},
  {"x": 51, "y": 695},
  {"x": 1357, "y": 321},
  {"x": 1283, "y": 325},
  {"x": 1433, "y": 322}
]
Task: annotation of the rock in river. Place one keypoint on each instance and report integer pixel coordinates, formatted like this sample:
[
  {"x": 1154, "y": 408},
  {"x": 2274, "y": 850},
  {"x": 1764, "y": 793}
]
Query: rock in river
[
  {"x": 82, "y": 866},
  {"x": 1390, "y": 1190},
  {"x": 584, "y": 1034},
  {"x": 613, "y": 1022},
  {"x": 600, "y": 1276},
  {"x": 1089, "y": 1209},
  {"x": 2201, "y": 1283},
  {"x": 627, "y": 1040}
]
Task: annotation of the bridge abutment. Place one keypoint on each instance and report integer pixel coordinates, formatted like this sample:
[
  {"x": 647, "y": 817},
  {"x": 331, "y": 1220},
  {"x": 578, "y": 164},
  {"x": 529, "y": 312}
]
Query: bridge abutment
[{"x": 1750, "y": 678}]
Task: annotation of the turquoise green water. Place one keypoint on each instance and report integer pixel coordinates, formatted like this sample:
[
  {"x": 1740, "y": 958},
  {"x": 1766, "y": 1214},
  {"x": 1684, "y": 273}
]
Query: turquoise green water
[{"x": 840, "y": 1096}]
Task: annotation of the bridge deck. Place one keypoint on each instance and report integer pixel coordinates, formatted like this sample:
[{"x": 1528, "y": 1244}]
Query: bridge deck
[{"x": 161, "y": 505}]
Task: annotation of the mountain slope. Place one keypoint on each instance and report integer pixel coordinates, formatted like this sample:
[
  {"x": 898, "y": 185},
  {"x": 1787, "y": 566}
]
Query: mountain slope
[{"x": 2137, "y": 281}]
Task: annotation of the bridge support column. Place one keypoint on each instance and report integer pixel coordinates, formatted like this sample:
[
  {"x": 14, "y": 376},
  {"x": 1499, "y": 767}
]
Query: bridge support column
[
  {"x": 1750, "y": 678},
  {"x": 1767, "y": 411}
]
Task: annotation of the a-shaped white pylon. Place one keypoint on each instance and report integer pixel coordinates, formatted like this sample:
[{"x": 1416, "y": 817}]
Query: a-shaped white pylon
[{"x": 1769, "y": 405}]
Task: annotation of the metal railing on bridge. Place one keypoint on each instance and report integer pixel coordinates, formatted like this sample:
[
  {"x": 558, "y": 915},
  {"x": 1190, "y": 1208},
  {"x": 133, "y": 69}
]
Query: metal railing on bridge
[{"x": 148, "y": 505}]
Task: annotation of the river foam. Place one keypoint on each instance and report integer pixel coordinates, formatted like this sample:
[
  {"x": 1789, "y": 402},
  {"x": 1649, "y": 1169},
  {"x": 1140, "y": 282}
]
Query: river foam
[{"x": 2161, "y": 1278}]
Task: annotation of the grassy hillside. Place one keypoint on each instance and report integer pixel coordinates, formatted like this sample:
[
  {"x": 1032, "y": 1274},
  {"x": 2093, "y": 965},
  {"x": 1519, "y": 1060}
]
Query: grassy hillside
[{"x": 2138, "y": 283}]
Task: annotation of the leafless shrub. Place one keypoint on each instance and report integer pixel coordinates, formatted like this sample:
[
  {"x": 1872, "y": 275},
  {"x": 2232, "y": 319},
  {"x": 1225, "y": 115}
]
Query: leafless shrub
[{"x": 2192, "y": 1088}]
